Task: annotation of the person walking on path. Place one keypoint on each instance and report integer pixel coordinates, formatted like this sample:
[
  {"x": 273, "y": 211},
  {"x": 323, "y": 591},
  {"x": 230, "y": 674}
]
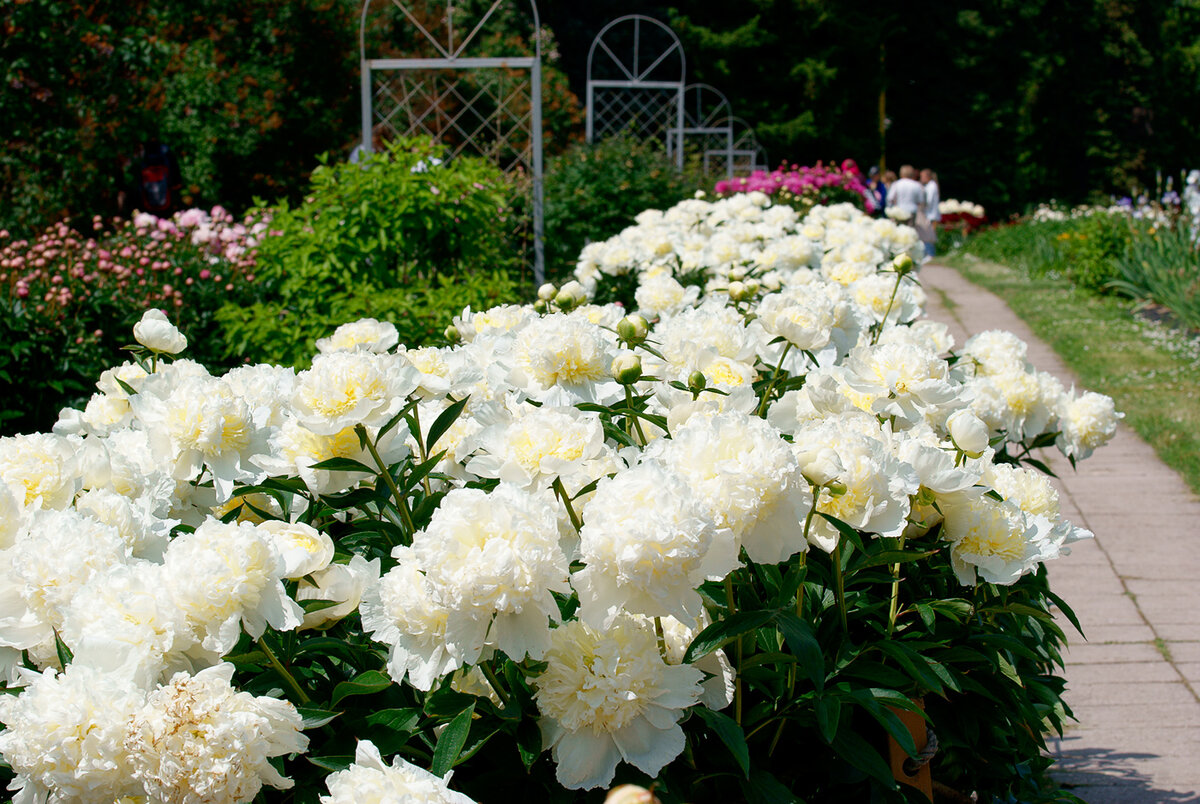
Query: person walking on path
[
  {"x": 933, "y": 198},
  {"x": 907, "y": 197}
]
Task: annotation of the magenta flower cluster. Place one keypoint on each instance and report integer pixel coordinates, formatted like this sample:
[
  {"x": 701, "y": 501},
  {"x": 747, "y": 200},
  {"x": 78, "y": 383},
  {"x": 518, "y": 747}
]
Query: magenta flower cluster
[{"x": 817, "y": 183}]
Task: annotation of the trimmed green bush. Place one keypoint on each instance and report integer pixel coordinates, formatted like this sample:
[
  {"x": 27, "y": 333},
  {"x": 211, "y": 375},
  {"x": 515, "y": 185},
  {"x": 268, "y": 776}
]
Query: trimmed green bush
[{"x": 594, "y": 191}]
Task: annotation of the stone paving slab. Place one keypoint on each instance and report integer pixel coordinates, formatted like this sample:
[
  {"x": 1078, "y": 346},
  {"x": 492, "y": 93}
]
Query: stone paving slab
[{"x": 1134, "y": 682}]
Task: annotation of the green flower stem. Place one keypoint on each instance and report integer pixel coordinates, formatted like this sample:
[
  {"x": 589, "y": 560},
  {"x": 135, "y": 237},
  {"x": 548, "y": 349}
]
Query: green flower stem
[
  {"x": 762, "y": 407},
  {"x": 662, "y": 639},
  {"x": 494, "y": 680},
  {"x": 841, "y": 585},
  {"x": 561, "y": 491},
  {"x": 637, "y": 424},
  {"x": 737, "y": 678},
  {"x": 283, "y": 671},
  {"x": 424, "y": 449},
  {"x": 401, "y": 500},
  {"x": 894, "y": 606},
  {"x": 891, "y": 301},
  {"x": 808, "y": 520}
]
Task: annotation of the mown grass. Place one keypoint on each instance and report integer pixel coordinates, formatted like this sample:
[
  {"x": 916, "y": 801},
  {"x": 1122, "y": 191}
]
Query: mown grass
[{"x": 1150, "y": 370}]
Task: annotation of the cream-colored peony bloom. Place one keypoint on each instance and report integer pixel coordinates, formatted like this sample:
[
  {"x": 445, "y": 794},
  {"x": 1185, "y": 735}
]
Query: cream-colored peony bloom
[
  {"x": 304, "y": 549},
  {"x": 342, "y": 584},
  {"x": 41, "y": 469},
  {"x": 607, "y": 696},
  {"x": 399, "y": 611},
  {"x": 563, "y": 357},
  {"x": 197, "y": 739},
  {"x": 648, "y": 545},
  {"x": 901, "y": 379},
  {"x": 535, "y": 445},
  {"x": 366, "y": 334},
  {"x": 1086, "y": 422},
  {"x": 370, "y": 780},
  {"x": 493, "y": 561},
  {"x": 65, "y": 736},
  {"x": 224, "y": 576},
  {"x": 992, "y": 540},
  {"x": 158, "y": 334},
  {"x": 344, "y": 389},
  {"x": 745, "y": 477}
]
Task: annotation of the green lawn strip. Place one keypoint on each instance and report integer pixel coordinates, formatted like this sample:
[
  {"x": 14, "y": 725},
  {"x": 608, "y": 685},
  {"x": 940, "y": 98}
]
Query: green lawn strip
[{"x": 1152, "y": 372}]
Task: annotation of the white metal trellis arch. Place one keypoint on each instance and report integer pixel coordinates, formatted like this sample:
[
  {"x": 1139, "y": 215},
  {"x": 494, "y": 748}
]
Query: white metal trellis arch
[
  {"x": 644, "y": 87},
  {"x": 508, "y": 128},
  {"x": 706, "y": 119},
  {"x": 743, "y": 157}
]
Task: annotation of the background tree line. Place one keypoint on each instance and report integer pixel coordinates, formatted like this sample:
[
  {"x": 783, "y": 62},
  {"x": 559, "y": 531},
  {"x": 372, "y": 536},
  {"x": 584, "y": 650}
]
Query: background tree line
[{"x": 1012, "y": 102}]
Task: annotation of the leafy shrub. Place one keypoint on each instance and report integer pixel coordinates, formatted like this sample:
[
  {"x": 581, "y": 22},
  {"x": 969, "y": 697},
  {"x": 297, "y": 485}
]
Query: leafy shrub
[
  {"x": 273, "y": 332},
  {"x": 400, "y": 216},
  {"x": 402, "y": 236},
  {"x": 594, "y": 191},
  {"x": 69, "y": 300}
]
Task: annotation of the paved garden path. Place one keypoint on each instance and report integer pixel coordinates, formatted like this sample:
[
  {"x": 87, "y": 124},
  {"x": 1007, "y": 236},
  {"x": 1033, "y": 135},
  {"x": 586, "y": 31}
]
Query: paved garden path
[{"x": 1134, "y": 683}]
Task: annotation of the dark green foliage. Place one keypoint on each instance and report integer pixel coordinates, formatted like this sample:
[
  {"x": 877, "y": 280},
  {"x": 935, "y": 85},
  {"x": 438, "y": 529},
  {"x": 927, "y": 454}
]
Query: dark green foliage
[
  {"x": 595, "y": 191},
  {"x": 244, "y": 93},
  {"x": 277, "y": 332},
  {"x": 1162, "y": 266},
  {"x": 402, "y": 237}
]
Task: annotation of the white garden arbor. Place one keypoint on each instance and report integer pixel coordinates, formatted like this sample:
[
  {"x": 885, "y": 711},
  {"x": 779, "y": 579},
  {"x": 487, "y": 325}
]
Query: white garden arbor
[
  {"x": 635, "y": 83},
  {"x": 707, "y": 125},
  {"x": 744, "y": 156},
  {"x": 466, "y": 100}
]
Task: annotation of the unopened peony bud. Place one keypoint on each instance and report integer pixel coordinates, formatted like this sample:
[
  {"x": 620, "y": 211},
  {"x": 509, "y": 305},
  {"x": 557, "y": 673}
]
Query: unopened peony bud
[
  {"x": 737, "y": 274},
  {"x": 968, "y": 432},
  {"x": 836, "y": 488},
  {"x": 737, "y": 291},
  {"x": 902, "y": 264},
  {"x": 547, "y": 292},
  {"x": 630, "y": 794},
  {"x": 633, "y": 329},
  {"x": 627, "y": 368},
  {"x": 697, "y": 382},
  {"x": 565, "y": 300},
  {"x": 452, "y": 334},
  {"x": 158, "y": 334},
  {"x": 753, "y": 286},
  {"x": 576, "y": 290},
  {"x": 540, "y": 306}
]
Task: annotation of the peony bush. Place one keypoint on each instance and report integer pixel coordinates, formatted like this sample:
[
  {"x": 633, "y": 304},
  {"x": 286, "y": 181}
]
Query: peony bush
[
  {"x": 806, "y": 186},
  {"x": 711, "y": 545}
]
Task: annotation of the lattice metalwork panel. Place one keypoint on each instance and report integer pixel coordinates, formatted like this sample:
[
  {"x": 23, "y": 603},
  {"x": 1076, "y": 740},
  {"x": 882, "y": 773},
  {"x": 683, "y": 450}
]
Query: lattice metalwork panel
[
  {"x": 644, "y": 112},
  {"x": 489, "y": 114}
]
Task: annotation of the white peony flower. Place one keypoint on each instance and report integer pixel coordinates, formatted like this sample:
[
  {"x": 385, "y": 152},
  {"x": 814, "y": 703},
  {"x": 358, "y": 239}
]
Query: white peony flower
[
  {"x": 343, "y": 389},
  {"x": 304, "y": 549},
  {"x": 120, "y": 621},
  {"x": 1086, "y": 422},
  {"x": 366, "y": 334},
  {"x": 158, "y": 334},
  {"x": 745, "y": 477},
  {"x": 51, "y": 560},
  {"x": 648, "y": 544},
  {"x": 607, "y": 696},
  {"x": 536, "y": 445},
  {"x": 40, "y": 469},
  {"x": 968, "y": 432},
  {"x": 370, "y": 780},
  {"x": 343, "y": 584},
  {"x": 493, "y": 561},
  {"x": 901, "y": 379},
  {"x": 564, "y": 355},
  {"x": 65, "y": 736},
  {"x": 199, "y": 739},
  {"x": 877, "y": 484},
  {"x": 399, "y": 611},
  {"x": 989, "y": 539},
  {"x": 227, "y": 575}
]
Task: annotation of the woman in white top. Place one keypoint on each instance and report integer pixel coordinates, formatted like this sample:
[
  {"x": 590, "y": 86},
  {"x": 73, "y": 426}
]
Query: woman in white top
[
  {"x": 933, "y": 199},
  {"x": 906, "y": 193}
]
